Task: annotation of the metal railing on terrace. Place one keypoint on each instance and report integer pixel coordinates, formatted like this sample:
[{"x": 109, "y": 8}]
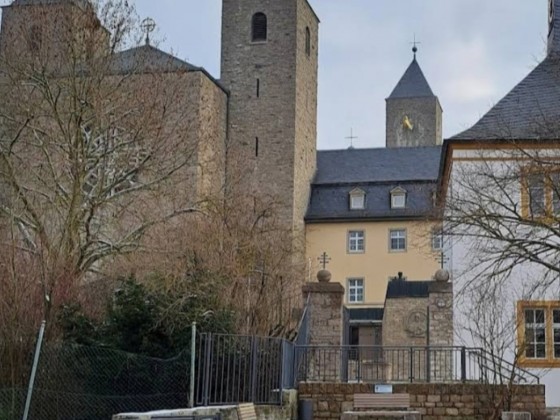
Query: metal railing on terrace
[{"x": 378, "y": 364}]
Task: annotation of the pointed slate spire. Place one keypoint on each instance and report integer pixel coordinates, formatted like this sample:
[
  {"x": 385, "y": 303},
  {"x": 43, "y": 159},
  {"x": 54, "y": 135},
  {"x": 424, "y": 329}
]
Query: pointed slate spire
[
  {"x": 554, "y": 28},
  {"x": 413, "y": 113},
  {"x": 413, "y": 84}
]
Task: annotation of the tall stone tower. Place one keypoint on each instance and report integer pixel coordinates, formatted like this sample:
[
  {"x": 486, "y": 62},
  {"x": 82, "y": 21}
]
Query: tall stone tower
[
  {"x": 414, "y": 114},
  {"x": 270, "y": 65}
]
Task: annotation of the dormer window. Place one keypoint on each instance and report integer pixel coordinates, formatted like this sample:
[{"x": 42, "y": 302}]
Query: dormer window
[
  {"x": 398, "y": 198},
  {"x": 357, "y": 199}
]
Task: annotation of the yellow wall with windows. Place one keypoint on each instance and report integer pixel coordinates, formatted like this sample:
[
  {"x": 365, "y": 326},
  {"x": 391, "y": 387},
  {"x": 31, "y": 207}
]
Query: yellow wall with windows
[{"x": 377, "y": 263}]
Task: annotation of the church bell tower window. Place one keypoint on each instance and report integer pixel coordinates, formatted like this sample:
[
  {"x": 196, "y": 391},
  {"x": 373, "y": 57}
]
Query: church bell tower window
[{"x": 259, "y": 27}]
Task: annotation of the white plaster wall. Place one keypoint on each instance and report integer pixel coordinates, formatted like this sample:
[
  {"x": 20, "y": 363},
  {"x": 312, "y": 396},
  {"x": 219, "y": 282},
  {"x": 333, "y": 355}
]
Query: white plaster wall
[{"x": 482, "y": 304}]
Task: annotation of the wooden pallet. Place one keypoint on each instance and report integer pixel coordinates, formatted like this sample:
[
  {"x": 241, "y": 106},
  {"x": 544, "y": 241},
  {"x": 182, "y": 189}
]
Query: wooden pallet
[{"x": 246, "y": 412}]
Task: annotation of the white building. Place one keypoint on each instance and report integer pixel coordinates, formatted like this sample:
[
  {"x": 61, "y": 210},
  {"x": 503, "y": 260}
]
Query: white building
[{"x": 501, "y": 184}]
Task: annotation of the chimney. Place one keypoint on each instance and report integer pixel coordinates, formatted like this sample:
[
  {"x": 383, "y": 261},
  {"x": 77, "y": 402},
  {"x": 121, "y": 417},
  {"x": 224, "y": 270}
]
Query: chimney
[{"x": 554, "y": 28}]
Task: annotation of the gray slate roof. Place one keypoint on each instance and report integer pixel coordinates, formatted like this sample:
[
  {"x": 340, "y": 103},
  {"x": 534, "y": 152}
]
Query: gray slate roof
[
  {"x": 407, "y": 289},
  {"x": 147, "y": 59},
  {"x": 377, "y": 165},
  {"x": 365, "y": 314},
  {"x": 376, "y": 172},
  {"x": 413, "y": 84},
  {"x": 531, "y": 111}
]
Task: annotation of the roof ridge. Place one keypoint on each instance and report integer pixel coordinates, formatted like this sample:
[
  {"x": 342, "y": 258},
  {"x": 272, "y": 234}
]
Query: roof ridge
[{"x": 378, "y": 148}]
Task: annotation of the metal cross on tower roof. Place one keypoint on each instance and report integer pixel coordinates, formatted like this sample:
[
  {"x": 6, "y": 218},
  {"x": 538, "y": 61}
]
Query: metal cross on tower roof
[
  {"x": 415, "y": 44},
  {"x": 352, "y": 137},
  {"x": 148, "y": 26}
]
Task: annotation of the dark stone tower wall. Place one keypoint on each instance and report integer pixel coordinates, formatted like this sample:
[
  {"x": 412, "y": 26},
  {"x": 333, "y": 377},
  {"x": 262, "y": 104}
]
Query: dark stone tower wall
[{"x": 273, "y": 98}]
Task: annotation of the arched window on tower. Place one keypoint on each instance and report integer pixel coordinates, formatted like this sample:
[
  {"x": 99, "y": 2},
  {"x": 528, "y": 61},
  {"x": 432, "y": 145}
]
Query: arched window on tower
[
  {"x": 307, "y": 41},
  {"x": 259, "y": 27}
]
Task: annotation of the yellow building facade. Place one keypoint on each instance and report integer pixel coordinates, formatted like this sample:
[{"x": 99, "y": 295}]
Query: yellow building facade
[{"x": 377, "y": 261}]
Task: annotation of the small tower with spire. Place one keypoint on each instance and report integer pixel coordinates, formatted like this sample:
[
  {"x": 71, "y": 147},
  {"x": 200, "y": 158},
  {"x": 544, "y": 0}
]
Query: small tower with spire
[{"x": 413, "y": 113}]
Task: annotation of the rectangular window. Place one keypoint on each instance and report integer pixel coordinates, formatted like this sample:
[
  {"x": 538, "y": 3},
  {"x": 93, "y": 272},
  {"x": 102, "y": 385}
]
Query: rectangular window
[
  {"x": 357, "y": 201},
  {"x": 555, "y": 190},
  {"x": 538, "y": 335},
  {"x": 355, "y": 290},
  {"x": 556, "y": 332},
  {"x": 541, "y": 193},
  {"x": 397, "y": 240},
  {"x": 398, "y": 201},
  {"x": 256, "y": 147},
  {"x": 536, "y": 189},
  {"x": 437, "y": 240},
  {"x": 258, "y": 88},
  {"x": 356, "y": 241},
  {"x": 535, "y": 334}
]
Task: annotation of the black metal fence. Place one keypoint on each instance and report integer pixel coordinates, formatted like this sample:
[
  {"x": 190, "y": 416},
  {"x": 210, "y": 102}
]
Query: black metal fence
[
  {"x": 234, "y": 369},
  {"x": 377, "y": 364}
]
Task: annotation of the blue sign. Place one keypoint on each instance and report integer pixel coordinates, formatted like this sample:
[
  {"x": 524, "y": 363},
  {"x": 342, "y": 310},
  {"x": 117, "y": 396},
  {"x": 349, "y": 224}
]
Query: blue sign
[{"x": 383, "y": 389}]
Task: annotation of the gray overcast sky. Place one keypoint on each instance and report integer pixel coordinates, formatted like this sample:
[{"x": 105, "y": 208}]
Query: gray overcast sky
[{"x": 472, "y": 53}]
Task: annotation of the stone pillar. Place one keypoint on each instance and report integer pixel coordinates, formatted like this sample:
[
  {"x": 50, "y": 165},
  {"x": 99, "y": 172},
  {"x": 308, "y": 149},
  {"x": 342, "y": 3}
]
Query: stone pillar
[
  {"x": 325, "y": 311},
  {"x": 440, "y": 309}
]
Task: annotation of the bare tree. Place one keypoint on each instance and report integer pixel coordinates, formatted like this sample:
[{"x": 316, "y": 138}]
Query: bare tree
[{"x": 96, "y": 146}]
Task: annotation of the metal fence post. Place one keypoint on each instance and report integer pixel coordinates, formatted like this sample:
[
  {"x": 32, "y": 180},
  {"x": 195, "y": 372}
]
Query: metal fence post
[
  {"x": 463, "y": 364},
  {"x": 34, "y": 370},
  {"x": 428, "y": 366},
  {"x": 411, "y": 364},
  {"x": 206, "y": 382},
  {"x": 254, "y": 365},
  {"x": 193, "y": 362}
]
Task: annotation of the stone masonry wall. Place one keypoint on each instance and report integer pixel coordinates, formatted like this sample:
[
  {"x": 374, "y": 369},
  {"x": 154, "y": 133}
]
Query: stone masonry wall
[
  {"x": 273, "y": 109},
  {"x": 325, "y": 329},
  {"x": 433, "y": 401},
  {"x": 404, "y": 324}
]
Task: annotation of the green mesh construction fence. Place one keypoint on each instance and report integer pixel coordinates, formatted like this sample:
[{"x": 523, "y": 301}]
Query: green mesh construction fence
[{"x": 78, "y": 382}]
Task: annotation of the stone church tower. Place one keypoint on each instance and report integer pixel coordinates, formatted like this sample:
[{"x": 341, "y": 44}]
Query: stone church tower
[
  {"x": 414, "y": 114},
  {"x": 270, "y": 65}
]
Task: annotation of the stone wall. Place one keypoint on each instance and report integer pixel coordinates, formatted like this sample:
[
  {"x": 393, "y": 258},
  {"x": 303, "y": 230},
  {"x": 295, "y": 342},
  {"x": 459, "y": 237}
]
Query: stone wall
[
  {"x": 325, "y": 329},
  {"x": 424, "y": 113},
  {"x": 433, "y": 401},
  {"x": 272, "y": 109}
]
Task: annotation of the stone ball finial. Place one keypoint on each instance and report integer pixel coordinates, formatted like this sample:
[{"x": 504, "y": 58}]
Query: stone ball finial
[
  {"x": 324, "y": 276},
  {"x": 442, "y": 276}
]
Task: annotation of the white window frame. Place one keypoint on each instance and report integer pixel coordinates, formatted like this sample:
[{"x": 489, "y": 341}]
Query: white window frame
[
  {"x": 354, "y": 241},
  {"x": 403, "y": 237},
  {"x": 395, "y": 197},
  {"x": 535, "y": 326},
  {"x": 555, "y": 328},
  {"x": 437, "y": 240},
  {"x": 356, "y": 288},
  {"x": 357, "y": 200}
]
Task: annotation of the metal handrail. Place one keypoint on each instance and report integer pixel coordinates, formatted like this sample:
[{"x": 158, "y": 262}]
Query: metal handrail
[{"x": 476, "y": 361}]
